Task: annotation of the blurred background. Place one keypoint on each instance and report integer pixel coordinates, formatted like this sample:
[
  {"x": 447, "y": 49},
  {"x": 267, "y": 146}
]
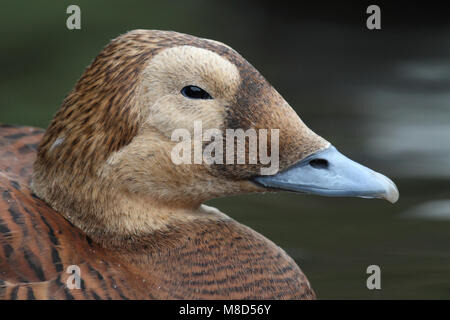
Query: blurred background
[{"x": 381, "y": 97}]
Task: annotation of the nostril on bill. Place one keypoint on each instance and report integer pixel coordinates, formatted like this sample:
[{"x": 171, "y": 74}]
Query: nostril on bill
[{"x": 319, "y": 163}]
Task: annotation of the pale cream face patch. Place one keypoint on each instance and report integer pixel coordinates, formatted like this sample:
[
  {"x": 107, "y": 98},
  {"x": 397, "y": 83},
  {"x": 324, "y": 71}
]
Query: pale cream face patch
[
  {"x": 144, "y": 166},
  {"x": 174, "y": 68}
]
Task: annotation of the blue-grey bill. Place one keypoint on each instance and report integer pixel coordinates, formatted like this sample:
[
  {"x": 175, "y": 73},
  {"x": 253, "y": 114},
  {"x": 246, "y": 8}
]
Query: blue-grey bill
[{"x": 329, "y": 173}]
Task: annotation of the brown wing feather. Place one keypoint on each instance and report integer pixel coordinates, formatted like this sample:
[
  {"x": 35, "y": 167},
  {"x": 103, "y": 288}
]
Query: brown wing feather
[
  {"x": 36, "y": 243},
  {"x": 18, "y": 150}
]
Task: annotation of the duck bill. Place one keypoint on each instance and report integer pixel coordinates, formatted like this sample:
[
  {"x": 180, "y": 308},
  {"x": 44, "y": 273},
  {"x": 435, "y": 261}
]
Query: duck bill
[{"x": 330, "y": 173}]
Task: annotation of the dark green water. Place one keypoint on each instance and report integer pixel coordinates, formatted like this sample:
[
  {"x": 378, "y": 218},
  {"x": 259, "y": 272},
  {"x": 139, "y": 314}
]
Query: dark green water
[{"x": 381, "y": 97}]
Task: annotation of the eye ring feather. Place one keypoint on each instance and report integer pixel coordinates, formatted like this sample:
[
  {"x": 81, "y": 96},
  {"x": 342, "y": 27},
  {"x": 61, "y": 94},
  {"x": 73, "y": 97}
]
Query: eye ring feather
[{"x": 194, "y": 92}]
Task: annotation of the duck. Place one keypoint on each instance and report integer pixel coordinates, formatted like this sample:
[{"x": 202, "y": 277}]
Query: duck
[{"x": 93, "y": 207}]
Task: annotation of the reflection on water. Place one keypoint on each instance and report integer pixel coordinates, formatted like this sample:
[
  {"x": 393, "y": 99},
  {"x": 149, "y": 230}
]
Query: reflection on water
[
  {"x": 382, "y": 98},
  {"x": 438, "y": 210},
  {"x": 412, "y": 129}
]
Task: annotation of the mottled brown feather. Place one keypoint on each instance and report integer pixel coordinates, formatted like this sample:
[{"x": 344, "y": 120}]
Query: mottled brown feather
[{"x": 215, "y": 260}]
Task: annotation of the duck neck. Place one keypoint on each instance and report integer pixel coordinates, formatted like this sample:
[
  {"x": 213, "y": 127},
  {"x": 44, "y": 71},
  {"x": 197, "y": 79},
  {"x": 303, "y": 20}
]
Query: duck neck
[{"x": 117, "y": 219}]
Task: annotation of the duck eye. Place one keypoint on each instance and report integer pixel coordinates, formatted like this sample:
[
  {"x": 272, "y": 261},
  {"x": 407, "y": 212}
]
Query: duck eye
[{"x": 194, "y": 92}]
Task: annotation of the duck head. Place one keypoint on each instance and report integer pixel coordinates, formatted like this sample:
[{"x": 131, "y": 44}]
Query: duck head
[{"x": 113, "y": 138}]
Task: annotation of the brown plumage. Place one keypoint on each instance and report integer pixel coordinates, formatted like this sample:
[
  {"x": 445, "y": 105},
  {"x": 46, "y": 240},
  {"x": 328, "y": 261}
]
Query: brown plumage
[
  {"x": 221, "y": 259},
  {"x": 105, "y": 196}
]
